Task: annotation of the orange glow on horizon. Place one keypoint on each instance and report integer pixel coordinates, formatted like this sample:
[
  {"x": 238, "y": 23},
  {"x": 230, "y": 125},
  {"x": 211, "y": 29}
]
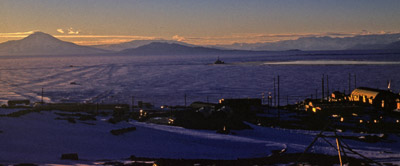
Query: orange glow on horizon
[{"x": 248, "y": 38}]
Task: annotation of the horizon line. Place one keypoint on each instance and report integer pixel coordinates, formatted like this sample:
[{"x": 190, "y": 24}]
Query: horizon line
[{"x": 242, "y": 38}]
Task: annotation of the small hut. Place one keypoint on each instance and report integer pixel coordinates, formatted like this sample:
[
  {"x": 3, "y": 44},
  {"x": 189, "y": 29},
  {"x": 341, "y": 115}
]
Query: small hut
[
  {"x": 337, "y": 96},
  {"x": 378, "y": 98}
]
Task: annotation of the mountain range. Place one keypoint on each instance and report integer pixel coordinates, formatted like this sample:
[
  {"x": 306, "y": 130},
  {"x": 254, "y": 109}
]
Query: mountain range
[
  {"x": 362, "y": 42},
  {"x": 136, "y": 44},
  {"x": 159, "y": 48},
  {"x": 40, "y": 43}
]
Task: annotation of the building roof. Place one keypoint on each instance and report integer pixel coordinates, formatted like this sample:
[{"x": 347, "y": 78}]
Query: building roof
[{"x": 368, "y": 92}]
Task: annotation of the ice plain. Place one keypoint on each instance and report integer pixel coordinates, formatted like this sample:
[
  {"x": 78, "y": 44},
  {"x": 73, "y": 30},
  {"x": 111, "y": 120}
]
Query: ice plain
[{"x": 164, "y": 80}]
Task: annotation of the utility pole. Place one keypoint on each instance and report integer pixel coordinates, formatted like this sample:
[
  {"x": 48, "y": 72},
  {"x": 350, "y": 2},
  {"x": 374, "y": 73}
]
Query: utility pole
[
  {"x": 349, "y": 83},
  {"x": 327, "y": 86},
  {"x": 42, "y": 96},
  {"x": 263, "y": 98},
  {"x": 355, "y": 82},
  {"x": 279, "y": 112},
  {"x": 269, "y": 99},
  {"x": 323, "y": 85},
  {"x": 274, "y": 93},
  {"x": 287, "y": 99},
  {"x": 185, "y": 99}
]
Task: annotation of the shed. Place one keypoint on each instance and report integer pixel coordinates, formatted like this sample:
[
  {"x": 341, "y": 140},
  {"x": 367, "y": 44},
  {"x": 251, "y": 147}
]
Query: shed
[
  {"x": 376, "y": 97},
  {"x": 337, "y": 96}
]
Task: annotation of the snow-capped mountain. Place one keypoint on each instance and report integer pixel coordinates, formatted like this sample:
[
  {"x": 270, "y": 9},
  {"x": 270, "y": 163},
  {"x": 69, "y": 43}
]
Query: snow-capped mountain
[
  {"x": 364, "y": 42},
  {"x": 40, "y": 43},
  {"x": 157, "y": 48},
  {"x": 136, "y": 44}
]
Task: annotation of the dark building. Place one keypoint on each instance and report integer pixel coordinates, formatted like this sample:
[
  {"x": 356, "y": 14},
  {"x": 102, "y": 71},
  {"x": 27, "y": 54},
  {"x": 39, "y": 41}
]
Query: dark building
[
  {"x": 337, "y": 96},
  {"x": 13, "y": 103},
  {"x": 245, "y": 106},
  {"x": 142, "y": 104},
  {"x": 378, "y": 98},
  {"x": 197, "y": 105},
  {"x": 240, "y": 102}
]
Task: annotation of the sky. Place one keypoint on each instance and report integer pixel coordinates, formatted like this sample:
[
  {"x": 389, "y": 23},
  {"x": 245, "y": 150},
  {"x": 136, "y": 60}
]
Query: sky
[{"x": 202, "y": 22}]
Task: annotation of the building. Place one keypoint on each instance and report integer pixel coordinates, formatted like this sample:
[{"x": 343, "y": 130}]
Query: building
[
  {"x": 241, "y": 102},
  {"x": 384, "y": 99},
  {"x": 337, "y": 96},
  {"x": 14, "y": 103},
  {"x": 242, "y": 106},
  {"x": 198, "y": 105},
  {"x": 398, "y": 104},
  {"x": 145, "y": 105}
]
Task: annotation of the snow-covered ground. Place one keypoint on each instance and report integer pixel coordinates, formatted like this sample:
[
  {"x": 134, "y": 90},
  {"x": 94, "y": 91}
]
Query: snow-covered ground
[
  {"x": 6, "y": 111},
  {"x": 40, "y": 138}
]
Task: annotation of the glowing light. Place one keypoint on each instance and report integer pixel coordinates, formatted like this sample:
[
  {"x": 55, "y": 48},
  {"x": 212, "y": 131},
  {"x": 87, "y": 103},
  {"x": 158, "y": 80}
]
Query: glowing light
[
  {"x": 361, "y": 121},
  {"x": 354, "y": 114},
  {"x": 341, "y": 119},
  {"x": 170, "y": 121},
  {"x": 335, "y": 116}
]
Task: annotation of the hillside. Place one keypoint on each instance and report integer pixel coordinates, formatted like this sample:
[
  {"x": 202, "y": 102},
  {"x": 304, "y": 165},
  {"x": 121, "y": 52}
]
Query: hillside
[
  {"x": 40, "y": 43},
  {"x": 136, "y": 44},
  {"x": 158, "y": 48}
]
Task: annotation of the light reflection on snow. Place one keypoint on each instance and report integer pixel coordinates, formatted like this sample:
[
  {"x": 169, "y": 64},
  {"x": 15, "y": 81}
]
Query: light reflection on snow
[{"x": 332, "y": 62}]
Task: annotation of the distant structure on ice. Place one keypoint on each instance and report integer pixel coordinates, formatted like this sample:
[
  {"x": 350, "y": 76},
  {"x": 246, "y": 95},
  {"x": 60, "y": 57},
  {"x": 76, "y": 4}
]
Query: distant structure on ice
[{"x": 218, "y": 61}]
